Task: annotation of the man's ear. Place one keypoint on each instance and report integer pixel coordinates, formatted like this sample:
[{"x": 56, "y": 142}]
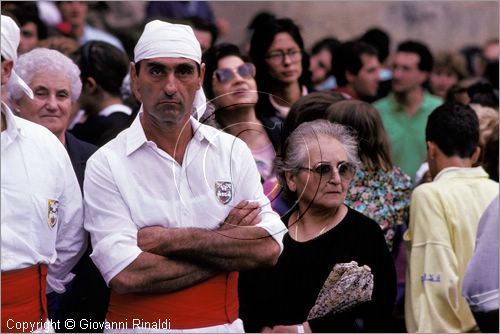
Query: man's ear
[
  {"x": 475, "y": 156},
  {"x": 431, "y": 150},
  {"x": 290, "y": 181},
  {"x": 134, "y": 81},
  {"x": 349, "y": 77},
  {"x": 7, "y": 66},
  {"x": 202, "y": 75},
  {"x": 90, "y": 85}
]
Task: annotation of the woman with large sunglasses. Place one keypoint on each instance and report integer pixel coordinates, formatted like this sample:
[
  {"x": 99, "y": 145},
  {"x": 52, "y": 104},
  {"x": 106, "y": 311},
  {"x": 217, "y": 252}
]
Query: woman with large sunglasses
[
  {"x": 318, "y": 163},
  {"x": 232, "y": 93},
  {"x": 277, "y": 50}
]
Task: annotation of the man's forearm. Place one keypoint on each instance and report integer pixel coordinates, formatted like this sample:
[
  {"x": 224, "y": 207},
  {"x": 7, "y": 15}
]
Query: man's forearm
[
  {"x": 238, "y": 248},
  {"x": 151, "y": 273}
]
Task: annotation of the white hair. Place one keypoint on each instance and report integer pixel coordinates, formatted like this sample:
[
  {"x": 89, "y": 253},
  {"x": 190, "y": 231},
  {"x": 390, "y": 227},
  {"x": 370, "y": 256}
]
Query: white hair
[{"x": 41, "y": 60}]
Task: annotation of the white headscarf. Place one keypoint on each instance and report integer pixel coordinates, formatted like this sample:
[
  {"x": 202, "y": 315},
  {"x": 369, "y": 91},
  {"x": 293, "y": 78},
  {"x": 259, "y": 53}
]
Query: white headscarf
[
  {"x": 163, "y": 39},
  {"x": 10, "y": 41}
]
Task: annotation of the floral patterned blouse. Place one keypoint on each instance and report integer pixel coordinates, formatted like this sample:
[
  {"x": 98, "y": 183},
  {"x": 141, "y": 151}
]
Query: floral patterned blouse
[{"x": 382, "y": 196}]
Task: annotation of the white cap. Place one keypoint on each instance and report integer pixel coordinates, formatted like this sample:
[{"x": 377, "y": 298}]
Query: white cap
[
  {"x": 162, "y": 39},
  {"x": 10, "y": 41}
]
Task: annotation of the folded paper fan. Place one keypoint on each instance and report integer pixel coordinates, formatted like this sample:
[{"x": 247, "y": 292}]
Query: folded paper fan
[{"x": 347, "y": 285}]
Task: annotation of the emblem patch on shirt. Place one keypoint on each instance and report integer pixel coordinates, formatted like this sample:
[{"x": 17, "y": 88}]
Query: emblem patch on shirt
[
  {"x": 53, "y": 212},
  {"x": 224, "y": 191}
]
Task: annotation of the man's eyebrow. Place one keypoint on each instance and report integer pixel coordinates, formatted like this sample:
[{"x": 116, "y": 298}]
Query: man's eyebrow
[
  {"x": 187, "y": 64},
  {"x": 155, "y": 64}
]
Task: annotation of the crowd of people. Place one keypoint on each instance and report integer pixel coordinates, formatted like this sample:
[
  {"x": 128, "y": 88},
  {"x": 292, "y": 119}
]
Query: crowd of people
[{"x": 193, "y": 185}]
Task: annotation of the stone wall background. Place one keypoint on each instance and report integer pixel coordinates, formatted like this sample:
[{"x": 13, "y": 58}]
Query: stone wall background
[{"x": 443, "y": 25}]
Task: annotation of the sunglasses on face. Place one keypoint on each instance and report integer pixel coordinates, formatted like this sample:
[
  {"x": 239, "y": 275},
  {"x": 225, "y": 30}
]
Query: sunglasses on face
[
  {"x": 344, "y": 169},
  {"x": 246, "y": 71}
]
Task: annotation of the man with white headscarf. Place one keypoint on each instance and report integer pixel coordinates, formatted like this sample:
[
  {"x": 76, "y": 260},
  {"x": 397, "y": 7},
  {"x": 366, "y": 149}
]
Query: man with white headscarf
[
  {"x": 174, "y": 207},
  {"x": 42, "y": 222}
]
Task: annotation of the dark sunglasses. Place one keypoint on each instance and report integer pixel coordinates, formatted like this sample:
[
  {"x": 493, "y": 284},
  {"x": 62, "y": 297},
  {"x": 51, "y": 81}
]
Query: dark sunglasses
[
  {"x": 345, "y": 169},
  {"x": 246, "y": 71}
]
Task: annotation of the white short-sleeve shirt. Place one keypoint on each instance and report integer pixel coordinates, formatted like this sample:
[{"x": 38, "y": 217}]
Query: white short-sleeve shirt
[
  {"x": 42, "y": 210},
  {"x": 130, "y": 183}
]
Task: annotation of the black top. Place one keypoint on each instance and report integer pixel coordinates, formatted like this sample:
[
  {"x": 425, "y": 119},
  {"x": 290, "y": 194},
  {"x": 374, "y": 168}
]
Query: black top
[
  {"x": 79, "y": 152},
  {"x": 98, "y": 130},
  {"x": 284, "y": 294}
]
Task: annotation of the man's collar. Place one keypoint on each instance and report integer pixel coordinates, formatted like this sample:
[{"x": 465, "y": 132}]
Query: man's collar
[{"x": 461, "y": 172}]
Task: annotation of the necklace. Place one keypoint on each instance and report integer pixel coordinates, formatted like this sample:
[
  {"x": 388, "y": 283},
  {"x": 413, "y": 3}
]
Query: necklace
[{"x": 297, "y": 228}]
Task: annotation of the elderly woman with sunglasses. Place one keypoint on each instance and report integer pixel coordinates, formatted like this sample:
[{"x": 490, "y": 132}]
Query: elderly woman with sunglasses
[
  {"x": 230, "y": 86},
  {"x": 319, "y": 160}
]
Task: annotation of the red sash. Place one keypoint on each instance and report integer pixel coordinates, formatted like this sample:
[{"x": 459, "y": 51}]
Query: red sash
[
  {"x": 23, "y": 298},
  {"x": 210, "y": 303}
]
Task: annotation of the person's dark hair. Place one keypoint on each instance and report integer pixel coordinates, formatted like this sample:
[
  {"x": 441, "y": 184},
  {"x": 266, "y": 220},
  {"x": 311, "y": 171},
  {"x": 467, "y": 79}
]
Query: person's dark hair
[
  {"x": 491, "y": 73},
  {"x": 104, "y": 62},
  {"x": 483, "y": 93},
  {"x": 379, "y": 39},
  {"x": 328, "y": 43},
  {"x": 374, "y": 145},
  {"x": 260, "y": 19},
  {"x": 426, "y": 59},
  {"x": 348, "y": 58},
  {"x": 26, "y": 12},
  {"x": 211, "y": 59},
  {"x": 454, "y": 128},
  {"x": 308, "y": 108},
  {"x": 262, "y": 39}
]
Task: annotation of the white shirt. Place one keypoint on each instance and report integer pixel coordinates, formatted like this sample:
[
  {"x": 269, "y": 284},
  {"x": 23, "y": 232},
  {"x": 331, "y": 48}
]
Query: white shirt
[
  {"x": 130, "y": 183},
  {"x": 42, "y": 213},
  {"x": 115, "y": 108}
]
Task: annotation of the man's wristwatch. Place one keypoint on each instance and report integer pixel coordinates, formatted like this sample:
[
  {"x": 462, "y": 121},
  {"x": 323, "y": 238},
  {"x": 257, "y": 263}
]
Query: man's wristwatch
[{"x": 300, "y": 328}]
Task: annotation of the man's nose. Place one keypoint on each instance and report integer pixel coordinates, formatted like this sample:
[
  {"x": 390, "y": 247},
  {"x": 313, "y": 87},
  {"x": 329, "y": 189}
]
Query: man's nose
[{"x": 170, "y": 87}]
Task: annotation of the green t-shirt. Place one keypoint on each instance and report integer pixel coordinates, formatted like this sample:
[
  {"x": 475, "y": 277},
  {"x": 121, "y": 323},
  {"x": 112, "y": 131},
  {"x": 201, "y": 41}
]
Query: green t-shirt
[{"x": 407, "y": 134}]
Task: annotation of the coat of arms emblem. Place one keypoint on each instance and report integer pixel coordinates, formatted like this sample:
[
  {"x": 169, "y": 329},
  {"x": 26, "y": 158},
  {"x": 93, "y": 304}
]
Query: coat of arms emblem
[
  {"x": 224, "y": 191},
  {"x": 53, "y": 212}
]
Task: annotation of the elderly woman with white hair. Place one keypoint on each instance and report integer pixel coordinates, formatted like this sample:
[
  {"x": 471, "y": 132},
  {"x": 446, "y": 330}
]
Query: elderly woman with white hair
[
  {"x": 318, "y": 163},
  {"x": 55, "y": 82}
]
